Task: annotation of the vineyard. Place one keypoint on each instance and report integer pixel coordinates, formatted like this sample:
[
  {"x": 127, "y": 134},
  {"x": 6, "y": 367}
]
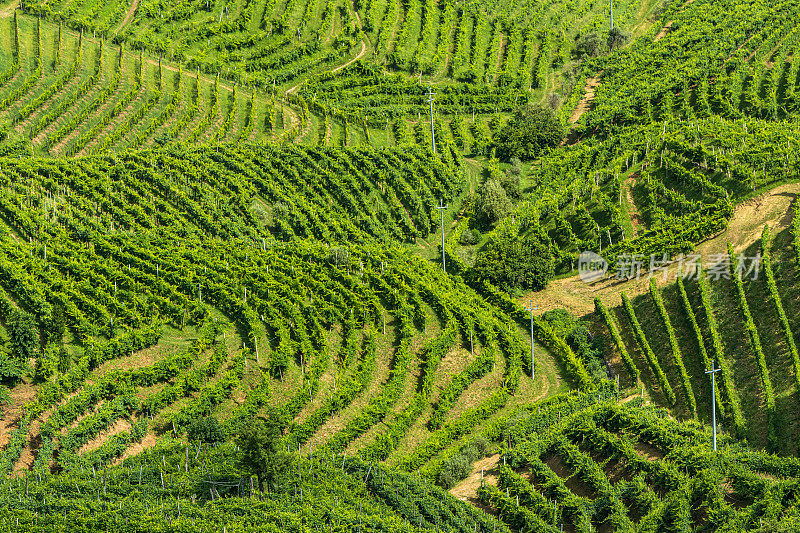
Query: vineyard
[
  {"x": 633, "y": 468},
  {"x": 268, "y": 265},
  {"x": 665, "y": 339}
]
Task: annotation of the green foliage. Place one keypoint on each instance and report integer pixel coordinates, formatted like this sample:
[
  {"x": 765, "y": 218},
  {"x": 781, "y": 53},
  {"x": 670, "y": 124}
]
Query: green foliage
[
  {"x": 644, "y": 346},
  {"x": 493, "y": 202},
  {"x": 544, "y": 334},
  {"x": 529, "y": 133},
  {"x": 728, "y": 386},
  {"x": 588, "y": 44},
  {"x": 698, "y": 337},
  {"x": 459, "y": 466},
  {"x": 758, "y": 352},
  {"x": 262, "y": 451},
  {"x": 775, "y": 297},
  {"x": 613, "y": 328},
  {"x": 655, "y": 294},
  {"x": 577, "y": 335},
  {"x": 23, "y": 346},
  {"x": 46, "y": 364},
  {"x": 617, "y": 38},
  {"x": 515, "y": 263},
  {"x": 511, "y": 184},
  {"x": 206, "y": 429},
  {"x": 24, "y": 336},
  {"x": 5, "y": 395},
  {"x": 470, "y": 237},
  {"x": 454, "y": 470}
]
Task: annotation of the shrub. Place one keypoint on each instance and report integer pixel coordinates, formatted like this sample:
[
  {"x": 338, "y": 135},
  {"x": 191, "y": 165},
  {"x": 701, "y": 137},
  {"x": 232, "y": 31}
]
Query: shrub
[
  {"x": 617, "y": 38},
  {"x": 515, "y": 262},
  {"x": 456, "y": 469},
  {"x": 493, "y": 202},
  {"x": 206, "y": 429},
  {"x": 531, "y": 130},
  {"x": 470, "y": 237},
  {"x": 482, "y": 444}
]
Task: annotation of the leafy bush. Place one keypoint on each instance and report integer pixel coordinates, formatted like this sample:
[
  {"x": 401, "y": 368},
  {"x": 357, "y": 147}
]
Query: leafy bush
[
  {"x": 206, "y": 429},
  {"x": 617, "y": 38},
  {"x": 644, "y": 346},
  {"x": 493, "y": 202},
  {"x": 456, "y": 469},
  {"x": 531, "y": 130},
  {"x": 587, "y": 45},
  {"x": 516, "y": 263},
  {"x": 511, "y": 184},
  {"x": 470, "y": 237}
]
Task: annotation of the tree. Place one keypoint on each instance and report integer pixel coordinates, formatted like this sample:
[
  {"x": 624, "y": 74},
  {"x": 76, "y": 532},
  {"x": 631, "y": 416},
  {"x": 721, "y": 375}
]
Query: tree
[
  {"x": 587, "y": 45},
  {"x": 24, "y": 336},
  {"x": 617, "y": 38},
  {"x": 206, "y": 429},
  {"x": 519, "y": 263},
  {"x": 64, "y": 360},
  {"x": 512, "y": 185},
  {"x": 493, "y": 202},
  {"x": 262, "y": 452},
  {"x": 531, "y": 130}
]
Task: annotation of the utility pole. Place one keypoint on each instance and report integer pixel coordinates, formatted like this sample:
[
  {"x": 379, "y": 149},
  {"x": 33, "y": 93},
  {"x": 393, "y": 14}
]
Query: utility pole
[
  {"x": 441, "y": 207},
  {"x": 714, "y": 400},
  {"x": 612, "y": 14},
  {"x": 532, "y": 308},
  {"x": 431, "y": 94}
]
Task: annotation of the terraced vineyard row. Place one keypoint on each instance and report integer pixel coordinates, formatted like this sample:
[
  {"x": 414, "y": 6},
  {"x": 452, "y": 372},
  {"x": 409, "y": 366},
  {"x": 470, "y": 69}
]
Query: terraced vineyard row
[
  {"x": 259, "y": 277},
  {"x": 752, "y": 73},
  {"x": 655, "y": 189},
  {"x": 74, "y": 95},
  {"x": 164, "y": 489},
  {"x": 80, "y": 96},
  {"x": 751, "y": 337},
  {"x": 634, "y": 468},
  {"x": 286, "y": 41}
]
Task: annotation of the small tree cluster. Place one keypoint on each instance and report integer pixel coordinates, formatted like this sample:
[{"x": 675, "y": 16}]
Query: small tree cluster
[
  {"x": 262, "y": 450},
  {"x": 528, "y": 133},
  {"x": 516, "y": 262},
  {"x": 459, "y": 466}
]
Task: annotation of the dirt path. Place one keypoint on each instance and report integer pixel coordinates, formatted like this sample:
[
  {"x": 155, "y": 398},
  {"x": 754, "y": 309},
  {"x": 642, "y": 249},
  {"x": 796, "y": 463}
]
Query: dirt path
[
  {"x": 744, "y": 228},
  {"x": 358, "y": 56},
  {"x": 666, "y": 29},
  {"x": 467, "y": 489},
  {"x": 633, "y": 210},
  {"x": 147, "y": 442},
  {"x": 128, "y": 16},
  {"x": 500, "y": 50},
  {"x": 588, "y": 97},
  {"x": 663, "y": 31}
]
